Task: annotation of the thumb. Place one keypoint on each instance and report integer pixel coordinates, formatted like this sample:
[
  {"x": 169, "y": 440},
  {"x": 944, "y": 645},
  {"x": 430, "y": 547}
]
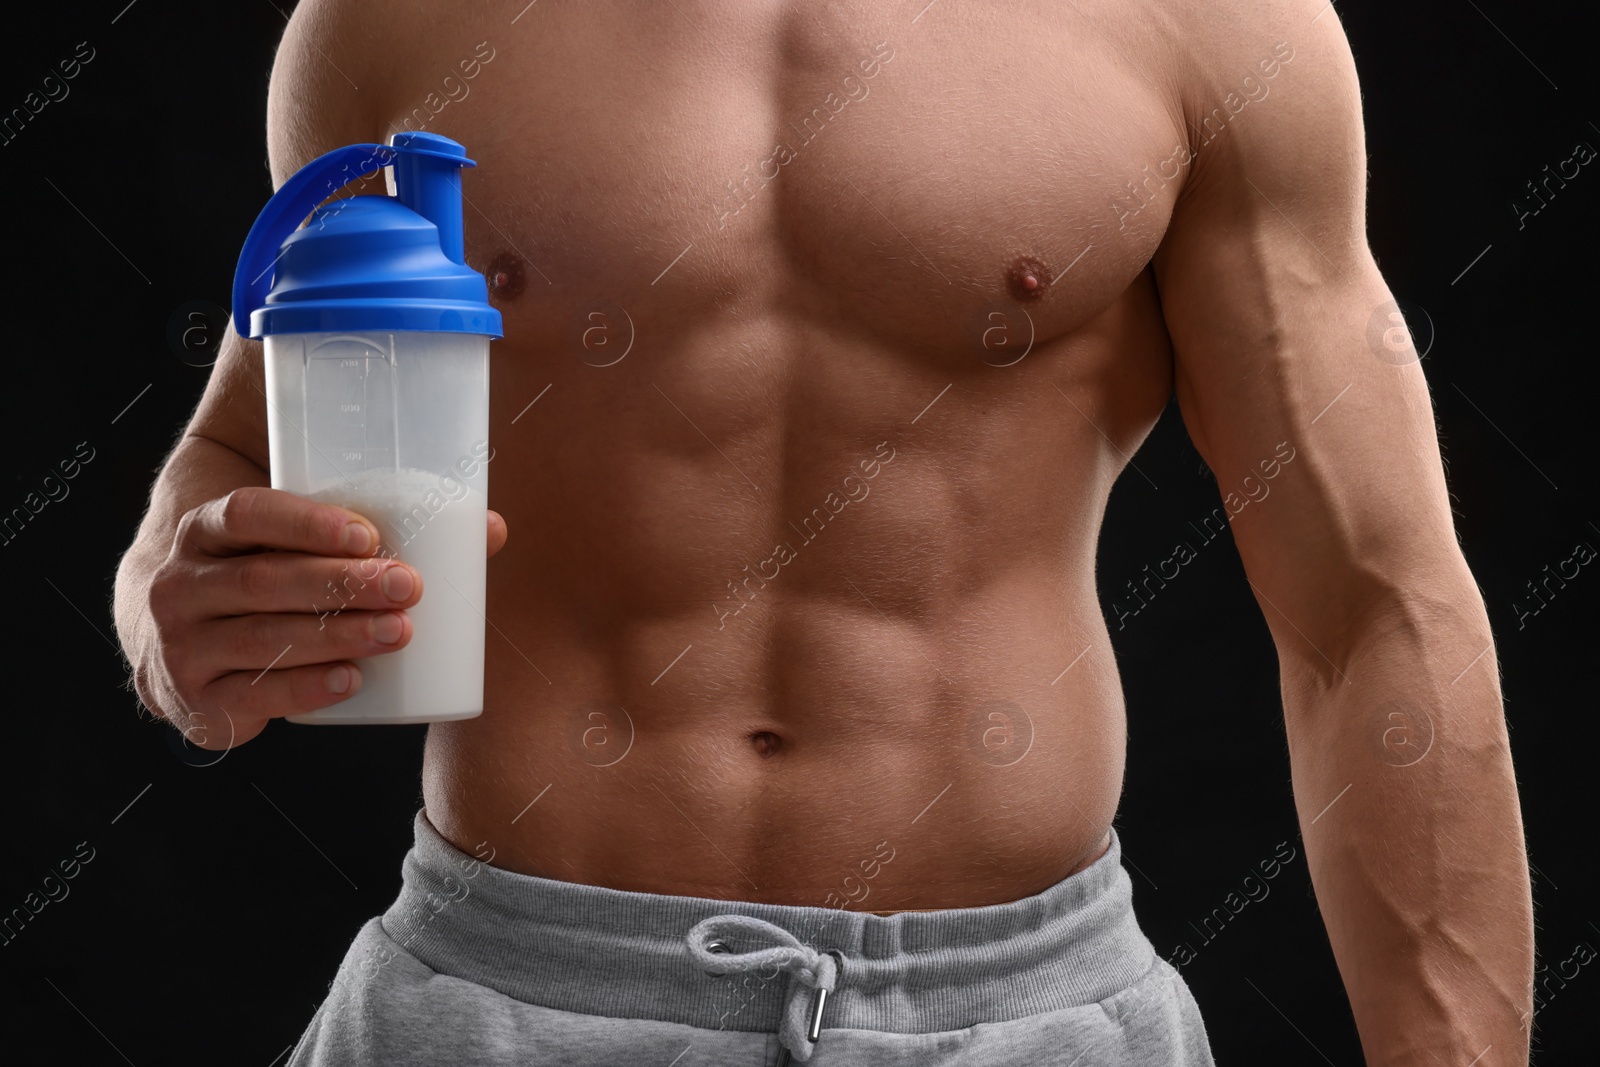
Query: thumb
[{"x": 497, "y": 532}]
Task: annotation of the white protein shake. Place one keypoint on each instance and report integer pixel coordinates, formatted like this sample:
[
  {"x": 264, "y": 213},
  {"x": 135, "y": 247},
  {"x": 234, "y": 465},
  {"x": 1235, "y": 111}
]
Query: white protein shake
[{"x": 437, "y": 524}]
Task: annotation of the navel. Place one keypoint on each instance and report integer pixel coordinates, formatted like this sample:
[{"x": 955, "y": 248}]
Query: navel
[
  {"x": 1028, "y": 278},
  {"x": 766, "y": 744},
  {"x": 505, "y": 276}
]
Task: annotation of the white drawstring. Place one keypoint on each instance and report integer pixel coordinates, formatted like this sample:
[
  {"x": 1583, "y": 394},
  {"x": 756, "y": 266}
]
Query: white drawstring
[{"x": 813, "y": 974}]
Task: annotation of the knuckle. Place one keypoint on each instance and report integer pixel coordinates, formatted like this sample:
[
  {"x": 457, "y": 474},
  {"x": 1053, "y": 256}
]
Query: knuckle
[
  {"x": 163, "y": 595},
  {"x": 234, "y": 511},
  {"x": 257, "y": 577},
  {"x": 307, "y": 525},
  {"x": 251, "y": 637},
  {"x": 179, "y": 664},
  {"x": 184, "y": 532},
  {"x": 171, "y": 646},
  {"x": 172, "y": 654}
]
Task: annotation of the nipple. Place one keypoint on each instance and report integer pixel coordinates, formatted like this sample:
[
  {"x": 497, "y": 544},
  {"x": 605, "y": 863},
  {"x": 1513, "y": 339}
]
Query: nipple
[
  {"x": 505, "y": 276},
  {"x": 1028, "y": 278}
]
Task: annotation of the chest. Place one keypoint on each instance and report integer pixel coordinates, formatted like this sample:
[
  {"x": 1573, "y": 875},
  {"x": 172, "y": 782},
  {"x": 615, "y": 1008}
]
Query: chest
[{"x": 860, "y": 159}]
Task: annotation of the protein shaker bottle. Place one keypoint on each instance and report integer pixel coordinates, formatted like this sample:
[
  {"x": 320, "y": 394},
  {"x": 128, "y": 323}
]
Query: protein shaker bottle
[{"x": 377, "y": 372}]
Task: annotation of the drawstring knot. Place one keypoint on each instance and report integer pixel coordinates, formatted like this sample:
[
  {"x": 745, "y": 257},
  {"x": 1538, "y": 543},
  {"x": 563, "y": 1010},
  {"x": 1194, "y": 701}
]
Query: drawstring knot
[{"x": 812, "y": 974}]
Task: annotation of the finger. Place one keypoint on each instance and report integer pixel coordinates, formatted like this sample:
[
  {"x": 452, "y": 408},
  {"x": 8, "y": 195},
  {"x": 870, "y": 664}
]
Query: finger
[
  {"x": 265, "y": 642},
  {"x": 256, "y": 695},
  {"x": 497, "y": 532},
  {"x": 257, "y": 517},
  {"x": 297, "y": 582}
]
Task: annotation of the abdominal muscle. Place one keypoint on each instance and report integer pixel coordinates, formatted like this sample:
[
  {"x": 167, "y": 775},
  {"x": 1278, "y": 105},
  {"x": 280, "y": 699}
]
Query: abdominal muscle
[
  {"x": 886, "y": 790},
  {"x": 916, "y": 707}
]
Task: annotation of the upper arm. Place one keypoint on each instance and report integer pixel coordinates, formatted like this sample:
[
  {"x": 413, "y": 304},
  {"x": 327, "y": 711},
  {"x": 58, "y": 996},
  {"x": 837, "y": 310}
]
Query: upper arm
[
  {"x": 1283, "y": 340},
  {"x": 313, "y": 106}
]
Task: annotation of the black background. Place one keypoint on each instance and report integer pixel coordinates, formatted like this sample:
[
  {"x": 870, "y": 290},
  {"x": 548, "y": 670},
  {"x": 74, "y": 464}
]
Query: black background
[{"x": 207, "y": 926}]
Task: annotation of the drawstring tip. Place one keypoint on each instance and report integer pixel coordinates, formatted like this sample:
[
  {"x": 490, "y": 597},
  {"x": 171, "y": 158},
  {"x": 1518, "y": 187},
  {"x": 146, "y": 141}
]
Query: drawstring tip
[{"x": 814, "y": 1031}]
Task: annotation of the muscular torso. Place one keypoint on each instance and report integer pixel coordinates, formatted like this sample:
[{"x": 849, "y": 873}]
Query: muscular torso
[{"x": 798, "y": 603}]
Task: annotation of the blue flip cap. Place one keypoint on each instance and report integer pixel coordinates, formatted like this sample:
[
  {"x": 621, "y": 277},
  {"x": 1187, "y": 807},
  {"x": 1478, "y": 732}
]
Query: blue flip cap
[{"x": 365, "y": 262}]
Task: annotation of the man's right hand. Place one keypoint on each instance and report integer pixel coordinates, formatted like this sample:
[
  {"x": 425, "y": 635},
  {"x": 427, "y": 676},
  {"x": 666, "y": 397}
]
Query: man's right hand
[{"x": 259, "y": 608}]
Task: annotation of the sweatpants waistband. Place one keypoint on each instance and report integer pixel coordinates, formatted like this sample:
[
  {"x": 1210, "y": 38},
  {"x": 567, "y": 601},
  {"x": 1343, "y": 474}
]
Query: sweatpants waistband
[{"x": 618, "y": 954}]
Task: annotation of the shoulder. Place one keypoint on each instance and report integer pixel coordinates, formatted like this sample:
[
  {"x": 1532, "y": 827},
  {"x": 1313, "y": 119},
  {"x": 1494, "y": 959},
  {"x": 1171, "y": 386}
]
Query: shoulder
[
  {"x": 1273, "y": 123},
  {"x": 1217, "y": 43},
  {"x": 1266, "y": 77},
  {"x": 329, "y": 80}
]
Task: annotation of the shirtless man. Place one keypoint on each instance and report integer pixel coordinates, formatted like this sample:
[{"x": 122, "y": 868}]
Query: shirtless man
[{"x": 901, "y": 286}]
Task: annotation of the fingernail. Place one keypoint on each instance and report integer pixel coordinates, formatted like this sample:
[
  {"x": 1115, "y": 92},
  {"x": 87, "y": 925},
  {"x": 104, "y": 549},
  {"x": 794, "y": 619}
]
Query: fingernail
[
  {"x": 338, "y": 679},
  {"x": 356, "y": 538},
  {"x": 386, "y": 628},
  {"x": 397, "y": 583}
]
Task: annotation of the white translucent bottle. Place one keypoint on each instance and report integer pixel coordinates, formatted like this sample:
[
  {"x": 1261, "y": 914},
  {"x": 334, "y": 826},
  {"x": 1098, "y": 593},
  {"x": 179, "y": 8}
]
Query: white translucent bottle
[{"x": 377, "y": 371}]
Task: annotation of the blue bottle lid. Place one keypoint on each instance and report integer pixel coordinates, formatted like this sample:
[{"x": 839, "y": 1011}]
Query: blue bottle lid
[{"x": 365, "y": 262}]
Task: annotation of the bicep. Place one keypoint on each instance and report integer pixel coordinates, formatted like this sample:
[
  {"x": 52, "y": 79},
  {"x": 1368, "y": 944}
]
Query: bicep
[
  {"x": 1284, "y": 347},
  {"x": 312, "y": 107}
]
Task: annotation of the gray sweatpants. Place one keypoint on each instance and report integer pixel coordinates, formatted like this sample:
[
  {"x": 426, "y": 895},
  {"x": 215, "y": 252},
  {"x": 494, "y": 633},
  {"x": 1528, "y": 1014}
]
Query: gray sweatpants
[{"x": 477, "y": 965}]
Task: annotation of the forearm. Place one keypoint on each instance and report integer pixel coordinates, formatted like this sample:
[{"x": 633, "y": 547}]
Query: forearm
[
  {"x": 199, "y": 469},
  {"x": 1408, "y": 808}
]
